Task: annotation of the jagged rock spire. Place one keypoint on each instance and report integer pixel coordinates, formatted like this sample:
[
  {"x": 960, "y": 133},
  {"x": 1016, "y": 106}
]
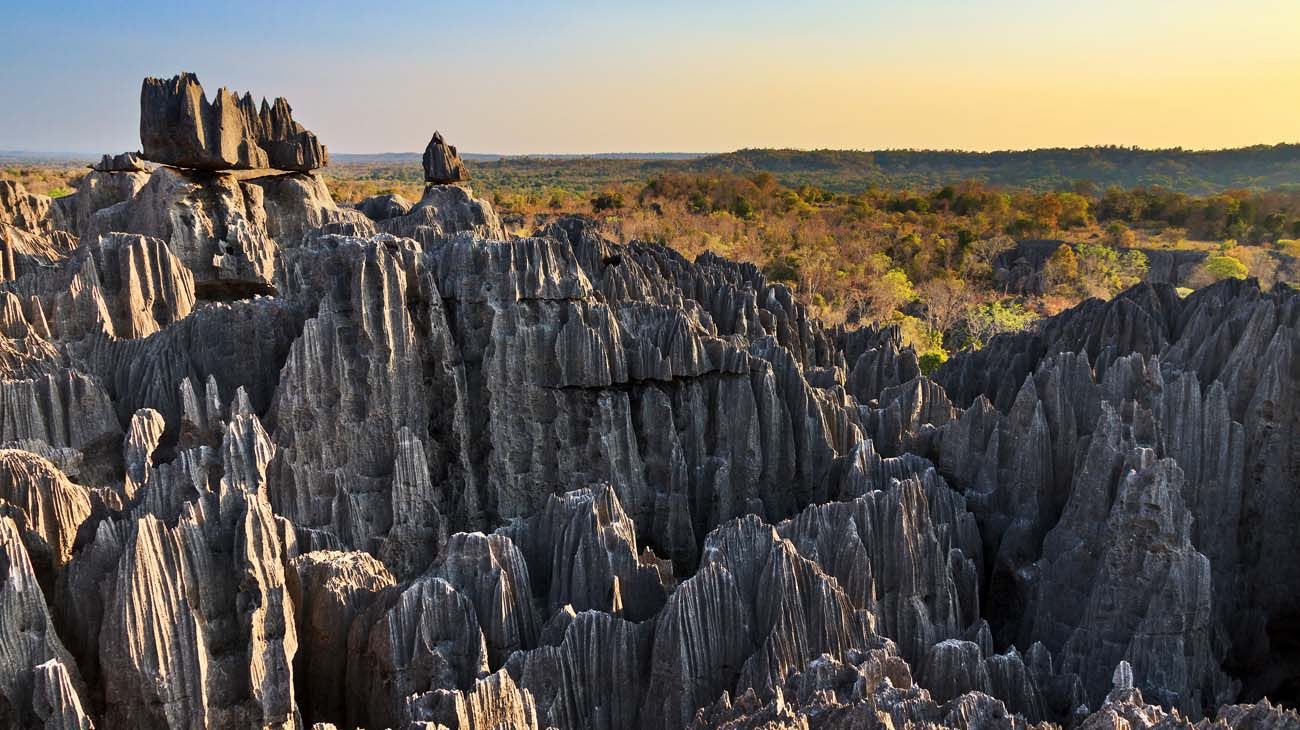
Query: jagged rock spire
[
  {"x": 180, "y": 127},
  {"x": 442, "y": 165}
]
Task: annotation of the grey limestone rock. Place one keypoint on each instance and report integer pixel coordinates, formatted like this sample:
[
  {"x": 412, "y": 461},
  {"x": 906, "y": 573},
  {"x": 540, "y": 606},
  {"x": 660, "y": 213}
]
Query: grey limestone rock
[
  {"x": 493, "y": 574},
  {"x": 197, "y": 625},
  {"x": 329, "y": 589},
  {"x": 583, "y": 552},
  {"x": 124, "y": 162},
  {"x": 442, "y": 212},
  {"x": 494, "y": 702},
  {"x": 180, "y": 127},
  {"x": 97, "y": 190},
  {"x": 46, "y": 508},
  {"x": 411, "y": 639},
  {"x": 28, "y": 211},
  {"x": 212, "y": 221},
  {"x": 121, "y": 285},
  {"x": 382, "y": 207},
  {"x": 30, "y": 643},
  {"x": 442, "y": 165},
  {"x": 55, "y": 701}
]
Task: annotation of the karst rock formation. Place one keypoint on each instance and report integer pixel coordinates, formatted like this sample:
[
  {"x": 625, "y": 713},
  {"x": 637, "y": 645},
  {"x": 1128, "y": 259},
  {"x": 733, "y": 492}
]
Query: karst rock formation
[
  {"x": 442, "y": 164},
  {"x": 271, "y": 462}
]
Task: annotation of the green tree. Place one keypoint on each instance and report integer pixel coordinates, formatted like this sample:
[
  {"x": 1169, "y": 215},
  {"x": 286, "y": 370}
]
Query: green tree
[
  {"x": 986, "y": 321},
  {"x": 1061, "y": 271},
  {"x": 885, "y": 294},
  {"x": 925, "y": 340},
  {"x": 1104, "y": 272},
  {"x": 1218, "y": 268}
]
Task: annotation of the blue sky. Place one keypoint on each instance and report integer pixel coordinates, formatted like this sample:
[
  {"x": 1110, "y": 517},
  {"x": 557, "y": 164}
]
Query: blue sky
[{"x": 682, "y": 76}]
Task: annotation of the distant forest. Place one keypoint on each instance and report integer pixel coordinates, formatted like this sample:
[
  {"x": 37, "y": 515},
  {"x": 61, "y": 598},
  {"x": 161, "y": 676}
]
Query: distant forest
[
  {"x": 1196, "y": 172},
  {"x": 1087, "y": 170}
]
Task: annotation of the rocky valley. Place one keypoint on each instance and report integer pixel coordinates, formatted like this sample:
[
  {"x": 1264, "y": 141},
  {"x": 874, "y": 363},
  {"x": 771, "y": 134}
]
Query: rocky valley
[{"x": 272, "y": 462}]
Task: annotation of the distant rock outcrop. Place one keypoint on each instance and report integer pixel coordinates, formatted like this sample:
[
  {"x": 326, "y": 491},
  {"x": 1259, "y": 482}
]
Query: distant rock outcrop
[
  {"x": 442, "y": 165},
  {"x": 180, "y": 127},
  {"x": 442, "y": 212},
  {"x": 125, "y": 162},
  {"x": 383, "y": 207}
]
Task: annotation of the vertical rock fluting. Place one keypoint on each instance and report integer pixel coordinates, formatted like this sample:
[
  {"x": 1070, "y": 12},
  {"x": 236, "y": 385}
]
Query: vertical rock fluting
[
  {"x": 583, "y": 550},
  {"x": 55, "y": 701},
  {"x": 908, "y": 555},
  {"x": 190, "y": 624},
  {"x": 329, "y": 589},
  {"x": 178, "y": 126},
  {"x": 1121, "y": 579},
  {"x": 594, "y": 678},
  {"x": 97, "y": 190},
  {"x": 235, "y": 345},
  {"x": 207, "y": 622},
  {"x": 63, "y": 409},
  {"x": 214, "y": 223},
  {"x": 411, "y": 640},
  {"x": 1186, "y": 378},
  {"x": 120, "y": 285},
  {"x": 30, "y": 649},
  {"x": 46, "y": 508},
  {"x": 357, "y": 376},
  {"x": 505, "y": 334},
  {"x": 493, "y": 574},
  {"x": 494, "y": 702}
]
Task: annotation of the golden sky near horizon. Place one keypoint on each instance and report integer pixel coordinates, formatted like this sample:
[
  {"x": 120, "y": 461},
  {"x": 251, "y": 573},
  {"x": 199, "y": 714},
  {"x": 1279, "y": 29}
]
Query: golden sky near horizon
[{"x": 519, "y": 77}]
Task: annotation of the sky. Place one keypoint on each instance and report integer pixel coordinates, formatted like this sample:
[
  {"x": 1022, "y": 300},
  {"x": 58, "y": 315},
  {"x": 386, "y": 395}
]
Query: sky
[{"x": 700, "y": 76}]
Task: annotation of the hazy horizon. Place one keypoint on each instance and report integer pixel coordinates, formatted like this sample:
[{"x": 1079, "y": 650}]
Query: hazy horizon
[{"x": 580, "y": 78}]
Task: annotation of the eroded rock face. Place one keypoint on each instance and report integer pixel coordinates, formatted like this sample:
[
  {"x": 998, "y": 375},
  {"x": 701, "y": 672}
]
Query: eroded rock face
[
  {"x": 33, "y": 231},
  {"x": 583, "y": 549},
  {"x": 1138, "y": 581},
  {"x": 27, "y": 211},
  {"x": 97, "y": 190},
  {"x": 442, "y": 165},
  {"x": 120, "y": 285},
  {"x": 330, "y": 589},
  {"x": 383, "y": 207},
  {"x": 494, "y": 702},
  {"x": 412, "y": 640},
  {"x": 64, "y": 409},
  {"x": 1181, "y": 380},
  {"x": 46, "y": 508},
  {"x": 37, "y": 686},
  {"x": 191, "y": 624},
  {"x": 442, "y": 212},
  {"x": 180, "y": 127},
  {"x": 297, "y": 204},
  {"x": 125, "y": 162},
  {"x": 214, "y": 223}
]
